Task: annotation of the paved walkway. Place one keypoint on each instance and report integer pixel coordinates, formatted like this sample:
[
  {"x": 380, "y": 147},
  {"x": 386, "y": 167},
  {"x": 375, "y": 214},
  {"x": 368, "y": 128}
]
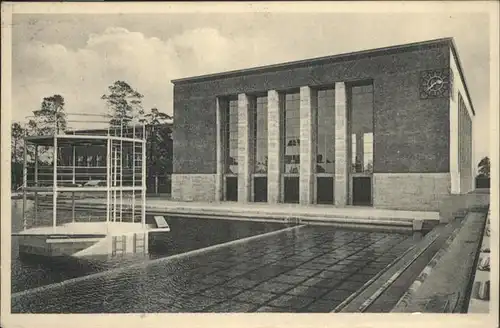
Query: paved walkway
[{"x": 352, "y": 214}]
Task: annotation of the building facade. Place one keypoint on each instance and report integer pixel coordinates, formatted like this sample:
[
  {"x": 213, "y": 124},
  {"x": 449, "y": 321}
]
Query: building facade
[{"x": 389, "y": 128}]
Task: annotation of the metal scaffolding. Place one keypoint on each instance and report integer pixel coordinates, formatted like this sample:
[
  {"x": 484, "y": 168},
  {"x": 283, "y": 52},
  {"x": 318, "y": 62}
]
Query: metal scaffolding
[{"x": 73, "y": 174}]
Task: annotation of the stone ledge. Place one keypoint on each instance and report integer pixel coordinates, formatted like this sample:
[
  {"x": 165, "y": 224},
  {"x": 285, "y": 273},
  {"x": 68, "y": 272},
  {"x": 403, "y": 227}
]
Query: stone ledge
[{"x": 444, "y": 284}]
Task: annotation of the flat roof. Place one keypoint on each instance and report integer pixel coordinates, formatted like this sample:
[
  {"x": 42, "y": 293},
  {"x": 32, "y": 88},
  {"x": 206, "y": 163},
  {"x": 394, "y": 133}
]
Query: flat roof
[
  {"x": 340, "y": 57},
  {"x": 461, "y": 72},
  {"x": 75, "y": 139}
]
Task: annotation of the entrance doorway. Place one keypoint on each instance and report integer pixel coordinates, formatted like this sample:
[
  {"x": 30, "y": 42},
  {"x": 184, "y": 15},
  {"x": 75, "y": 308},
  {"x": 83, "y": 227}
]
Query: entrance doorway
[
  {"x": 291, "y": 189},
  {"x": 231, "y": 189},
  {"x": 324, "y": 190},
  {"x": 360, "y": 117},
  {"x": 260, "y": 189},
  {"x": 361, "y": 190}
]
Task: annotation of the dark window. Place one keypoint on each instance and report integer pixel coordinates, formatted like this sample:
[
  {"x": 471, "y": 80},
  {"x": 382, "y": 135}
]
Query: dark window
[
  {"x": 361, "y": 128},
  {"x": 260, "y": 189},
  {"x": 232, "y": 188},
  {"x": 362, "y": 191},
  {"x": 291, "y": 133},
  {"x": 324, "y": 190},
  {"x": 259, "y": 142},
  {"x": 230, "y": 135},
  {"x": 325, "y": 132},
  {"x": 291, "y": 189}
]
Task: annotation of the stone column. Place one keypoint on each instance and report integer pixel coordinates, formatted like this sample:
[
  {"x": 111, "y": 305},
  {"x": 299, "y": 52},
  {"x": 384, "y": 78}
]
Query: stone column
[
  {"x": 306, "y": 146},
  {"x": 274, "y": 148},
  {"x": 341, "y": 146},
  {"x": 454, "y": 150},
  {"x": 243, "y": 149},
  {"x": 220, "y": 161}
]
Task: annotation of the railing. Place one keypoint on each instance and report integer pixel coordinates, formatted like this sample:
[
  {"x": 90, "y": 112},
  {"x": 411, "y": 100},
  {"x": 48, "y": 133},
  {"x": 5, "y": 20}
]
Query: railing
[
  {"x": 81, "y": 208},
  {"x": 79, "y": 176}
]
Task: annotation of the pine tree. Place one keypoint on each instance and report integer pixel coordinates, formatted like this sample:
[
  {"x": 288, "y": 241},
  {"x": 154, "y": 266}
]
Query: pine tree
[
  {"x": 51, "y": 117},
  {"x": 124, "y": 104}
]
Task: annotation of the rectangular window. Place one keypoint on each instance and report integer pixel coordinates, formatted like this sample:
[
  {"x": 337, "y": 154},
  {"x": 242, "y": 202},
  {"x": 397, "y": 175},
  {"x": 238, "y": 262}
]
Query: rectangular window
[
  {"x": 354, "y": 156},
  {"x": 325, "y": 131},
  {"x": 361, "y": 126},
  {"x": 464, "y": 146},
  {"x": 258, "y": 112},
  {"x": 230, "y": 135},
  {"x": 291, "y": 131},
  {"x": 368, "y": 152}
]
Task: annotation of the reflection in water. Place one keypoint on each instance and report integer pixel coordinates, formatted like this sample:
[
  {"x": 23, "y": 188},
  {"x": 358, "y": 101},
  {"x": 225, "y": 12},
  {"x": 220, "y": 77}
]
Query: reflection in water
[
  {"x": 309, "y": 269},
  {"x": 186, "y": 235}
]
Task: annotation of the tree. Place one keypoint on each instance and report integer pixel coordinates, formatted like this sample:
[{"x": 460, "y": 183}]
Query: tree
[
  {"x": 51, "y": 117},
  {"x": 155, "y": 117},
  {"x": 124, "y": 104},
  {"x": 17, "y": 134},
  {"x": 160, "y": 142},
  {"x": 484, "y": 167},
  {"x": 17, "y": 149}
]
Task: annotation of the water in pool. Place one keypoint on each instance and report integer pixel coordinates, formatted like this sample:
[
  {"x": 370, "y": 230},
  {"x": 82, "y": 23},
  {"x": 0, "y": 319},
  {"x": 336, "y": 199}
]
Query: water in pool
[
  {"x": 302, "y": 269},
  {"x": 186, "y": 235}
]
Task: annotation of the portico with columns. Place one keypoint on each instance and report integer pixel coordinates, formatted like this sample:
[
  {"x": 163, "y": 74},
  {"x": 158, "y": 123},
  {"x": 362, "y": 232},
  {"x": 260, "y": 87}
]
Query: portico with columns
[
  {"x": 363, "y": 129},
  {"x": 279, "y": 167}
]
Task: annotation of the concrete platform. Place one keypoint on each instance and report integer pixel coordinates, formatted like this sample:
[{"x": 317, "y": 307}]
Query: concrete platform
[
  {"x": 444, "y": 285},
  {"x": 358, "y": 216}
]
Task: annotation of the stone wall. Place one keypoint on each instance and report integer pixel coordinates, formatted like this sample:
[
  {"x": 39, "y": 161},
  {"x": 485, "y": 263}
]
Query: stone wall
[
  {"x": 193, "y": 187},
  {"x": 408, "y": 132},
  {"x": 410, "y": 191},
  {"x": 464, "y": 148}
]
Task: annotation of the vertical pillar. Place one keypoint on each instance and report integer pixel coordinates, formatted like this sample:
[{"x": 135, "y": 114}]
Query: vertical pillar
[
  {"x": 108, "y": 181},
  {"x": 274, "y": 147},
  {"x": 54, "y": 187},
  {"x": 472, "y": 157},
  {"x": 73, "y": 180},
  {"x": 243, "y": 149},
  {"x": 306, "y": 146},
  {"x": 143, "y": 178},
  {"x": 219, "y": 145},
  {"x": 25, "y": 182},
  {"x": 36, "y": 184},
  {"x": 341, "y": 146},
  {"x": 454, "y": 151}
]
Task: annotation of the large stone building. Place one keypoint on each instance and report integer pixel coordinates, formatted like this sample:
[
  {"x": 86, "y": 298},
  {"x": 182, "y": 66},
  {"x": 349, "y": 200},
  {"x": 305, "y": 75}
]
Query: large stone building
[{"x": 389, "y": 128}]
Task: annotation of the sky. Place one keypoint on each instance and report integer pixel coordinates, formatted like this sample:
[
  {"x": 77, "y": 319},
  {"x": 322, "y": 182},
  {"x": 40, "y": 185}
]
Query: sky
[{"x": 79, "y": 55}]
